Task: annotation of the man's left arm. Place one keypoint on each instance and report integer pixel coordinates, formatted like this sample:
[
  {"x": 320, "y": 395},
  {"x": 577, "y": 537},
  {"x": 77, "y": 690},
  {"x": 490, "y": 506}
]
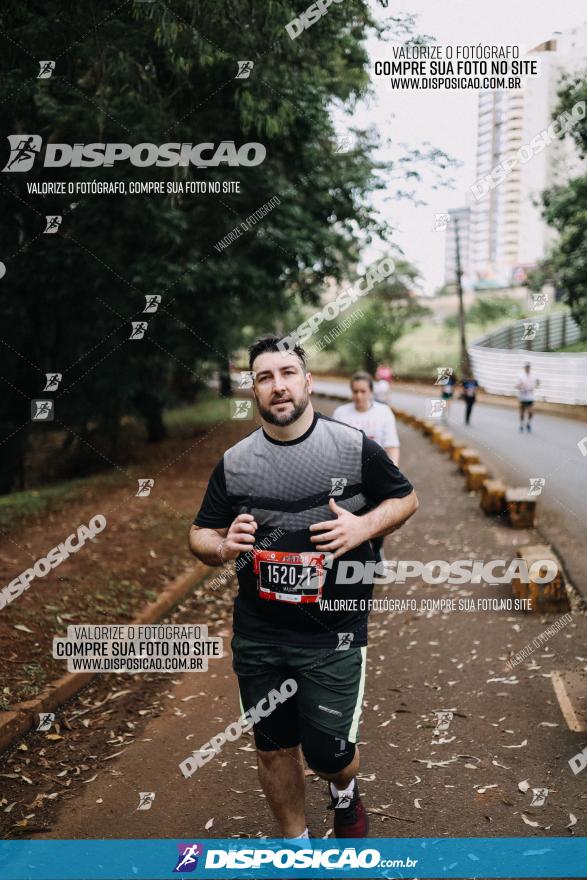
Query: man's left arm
[
  {"x": 394, "y": 498},
  {"x": 389, "y": 515},
  {"x": 347, "y": 531},
  {"x": 390, "y": 493},
  {"x": 390, "y": 437}
]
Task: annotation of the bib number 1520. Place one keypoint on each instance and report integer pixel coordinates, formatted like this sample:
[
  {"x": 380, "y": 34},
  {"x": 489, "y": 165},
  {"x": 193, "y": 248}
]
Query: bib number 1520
[{"x": 293, "y": 576}]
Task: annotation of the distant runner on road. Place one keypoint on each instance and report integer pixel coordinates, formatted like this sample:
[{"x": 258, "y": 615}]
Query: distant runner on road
[
  {"x": 326, "y": 490},
  {"x": 526, "y": 385},
  {"x": 383, "y": 380},
  {"x": 470, "y": 386},
  {"x": 384, "y": 372},
  {"x": 447, "y": 394},
  {"x": 376, "y": 420}
]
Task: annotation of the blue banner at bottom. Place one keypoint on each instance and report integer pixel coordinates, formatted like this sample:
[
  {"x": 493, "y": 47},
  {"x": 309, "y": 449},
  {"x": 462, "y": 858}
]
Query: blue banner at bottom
[{"x": 418, "y": 857}]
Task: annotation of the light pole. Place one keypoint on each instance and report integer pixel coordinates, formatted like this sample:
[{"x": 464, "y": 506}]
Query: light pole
[{"x": 465, "y": 363}]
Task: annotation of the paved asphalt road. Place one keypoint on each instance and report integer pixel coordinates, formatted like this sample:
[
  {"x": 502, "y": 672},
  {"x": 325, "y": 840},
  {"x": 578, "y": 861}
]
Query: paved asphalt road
[{"x": 550, "y": 451}]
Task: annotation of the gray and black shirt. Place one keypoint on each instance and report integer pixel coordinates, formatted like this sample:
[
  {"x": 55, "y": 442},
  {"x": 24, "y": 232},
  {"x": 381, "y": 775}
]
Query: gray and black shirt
[{"x": 286, "y": 486}]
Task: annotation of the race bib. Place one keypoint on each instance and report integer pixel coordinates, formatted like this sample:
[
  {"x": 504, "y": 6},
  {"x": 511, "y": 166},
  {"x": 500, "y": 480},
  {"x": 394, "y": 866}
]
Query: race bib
[{"x": 289, "y": 577}]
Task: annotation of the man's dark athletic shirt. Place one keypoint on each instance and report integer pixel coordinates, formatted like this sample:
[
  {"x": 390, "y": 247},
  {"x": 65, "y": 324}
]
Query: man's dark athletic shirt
[{"x": 286, "y": 485}]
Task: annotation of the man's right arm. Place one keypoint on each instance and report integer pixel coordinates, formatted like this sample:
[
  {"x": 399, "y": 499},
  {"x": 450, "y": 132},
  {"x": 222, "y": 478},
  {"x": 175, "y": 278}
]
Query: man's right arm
[
  {"x": 206, "y": 544},
  {"x": 217, "y": 546},
  {"x": 211, "y": 524}
]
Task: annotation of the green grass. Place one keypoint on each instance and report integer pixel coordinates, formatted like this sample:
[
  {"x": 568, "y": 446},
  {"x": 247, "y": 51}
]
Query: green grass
[
  {"x": 30, "y": 502},
  {"x": 5, "y": 699},
  {"x": 580, "y": 345},
  {"x": 419, "y": 352},
  {"x": 36, "y": 679},
  {"x": 20, "y": 505},
  {"x": 35, "y": 501},
  {"x": 210, "y": 408},
  {"x": 432, "y": 345}
]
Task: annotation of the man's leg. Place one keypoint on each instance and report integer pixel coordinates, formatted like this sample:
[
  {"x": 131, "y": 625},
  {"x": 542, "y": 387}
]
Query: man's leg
[
  {"x": 444, "y": 413},
  {"x": 337, "y": 761},
  {"x": 341, "y": 778},
  {"x": 260, "y": 669},
  {"x": 522, "y": 409},
  {"x": 332, "y": 683},
  {"x": 468, "y": 407},
  {"x": 529, "y": 410},
  {"x": 281, "y": 774}
]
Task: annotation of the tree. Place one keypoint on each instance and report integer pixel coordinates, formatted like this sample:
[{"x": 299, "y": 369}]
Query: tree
[
  {"x": 486, "y": 310},
  {"x": 146, "y": 73},
  {"x": 379, "y": 320},
  {"x": 166, "y": 73},
  {"x": 565, "y": 209}
]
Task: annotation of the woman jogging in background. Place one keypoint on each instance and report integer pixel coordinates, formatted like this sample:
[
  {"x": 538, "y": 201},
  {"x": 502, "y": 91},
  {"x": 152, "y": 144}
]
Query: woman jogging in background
[
  {"x": 383, "y": 380},
  {"x": 377, "y": 422}
]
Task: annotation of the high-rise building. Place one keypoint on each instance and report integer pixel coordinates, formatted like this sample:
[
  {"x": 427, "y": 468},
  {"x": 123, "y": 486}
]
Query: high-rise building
[{"x": 508, "y": 233}]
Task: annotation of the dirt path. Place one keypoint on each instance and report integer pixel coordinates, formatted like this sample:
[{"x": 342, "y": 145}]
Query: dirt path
[
  {"x": 506, "y": 728},
  {"x": 114, "y": 575}
]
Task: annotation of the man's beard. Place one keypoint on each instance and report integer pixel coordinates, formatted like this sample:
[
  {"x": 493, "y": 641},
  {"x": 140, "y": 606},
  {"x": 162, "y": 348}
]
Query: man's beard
[{"x": 298, "y": 410}]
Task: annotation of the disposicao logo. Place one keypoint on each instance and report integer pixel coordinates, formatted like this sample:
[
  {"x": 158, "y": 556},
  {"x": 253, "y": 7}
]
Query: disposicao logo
[
  {"x": 187, "y": 860},
  {"x": 24, "y": 149}
]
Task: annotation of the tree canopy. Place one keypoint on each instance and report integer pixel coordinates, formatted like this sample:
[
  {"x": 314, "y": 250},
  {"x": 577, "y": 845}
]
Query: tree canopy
[
  {"x": 565, "y": 209},
  {"x": 380, "y": 319},
  {"x": 156, "y": 73}
]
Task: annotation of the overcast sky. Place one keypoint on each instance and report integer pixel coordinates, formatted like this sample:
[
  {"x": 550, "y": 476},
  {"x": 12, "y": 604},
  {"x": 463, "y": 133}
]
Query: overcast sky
[{"x": 448, "y": 119}]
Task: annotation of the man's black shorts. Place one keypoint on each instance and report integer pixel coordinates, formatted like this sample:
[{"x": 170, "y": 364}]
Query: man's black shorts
[{"x": 329, "y": 694}]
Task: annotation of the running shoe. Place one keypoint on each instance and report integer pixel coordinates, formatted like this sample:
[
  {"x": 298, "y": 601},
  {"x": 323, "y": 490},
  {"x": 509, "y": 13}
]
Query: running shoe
[
  {"x": 350, "y": 816},
  {"x": 528, "y": 427}
]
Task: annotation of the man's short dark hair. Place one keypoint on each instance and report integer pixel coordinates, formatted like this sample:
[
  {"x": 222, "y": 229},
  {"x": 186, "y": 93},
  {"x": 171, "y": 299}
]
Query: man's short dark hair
[
  {"x": 270, "y": 343},
  {"x": 361, "y": 376}
]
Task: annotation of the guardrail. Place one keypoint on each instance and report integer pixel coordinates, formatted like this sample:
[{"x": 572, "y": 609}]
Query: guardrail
[
  {"x": 498, "y": 358},
  {"x": 548, "y": 332}
]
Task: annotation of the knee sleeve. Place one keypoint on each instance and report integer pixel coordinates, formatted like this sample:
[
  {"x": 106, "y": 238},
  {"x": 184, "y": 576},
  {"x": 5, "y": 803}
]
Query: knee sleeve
[
  {"x": 325, "y": 752},
  {"x": 279, "y": 730}
]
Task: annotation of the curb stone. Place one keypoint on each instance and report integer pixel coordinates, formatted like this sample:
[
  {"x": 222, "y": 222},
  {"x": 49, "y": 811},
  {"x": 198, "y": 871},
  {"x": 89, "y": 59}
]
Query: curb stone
[{"x": 22, "y": 717}]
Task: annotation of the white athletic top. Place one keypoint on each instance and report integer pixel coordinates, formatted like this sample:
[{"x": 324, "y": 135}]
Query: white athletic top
[
  {"x": 378, "y": 422},
  {"x": 526, "y": 385}
]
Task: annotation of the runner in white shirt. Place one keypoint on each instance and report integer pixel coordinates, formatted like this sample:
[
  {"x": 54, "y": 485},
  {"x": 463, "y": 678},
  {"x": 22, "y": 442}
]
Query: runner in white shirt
[
  {"x": 377, "y": 422},
  {"x": 375, "y": 419},
  {"x": 526, "y": 385}
]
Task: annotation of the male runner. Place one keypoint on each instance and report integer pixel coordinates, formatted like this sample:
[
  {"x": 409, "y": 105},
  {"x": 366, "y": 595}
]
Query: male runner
[
  {"x": 526, "y": 385},
  {"x": 470, "y": 386},
  {"x": 327, "y": 490},
  {"x": 376, "y": 420}
]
